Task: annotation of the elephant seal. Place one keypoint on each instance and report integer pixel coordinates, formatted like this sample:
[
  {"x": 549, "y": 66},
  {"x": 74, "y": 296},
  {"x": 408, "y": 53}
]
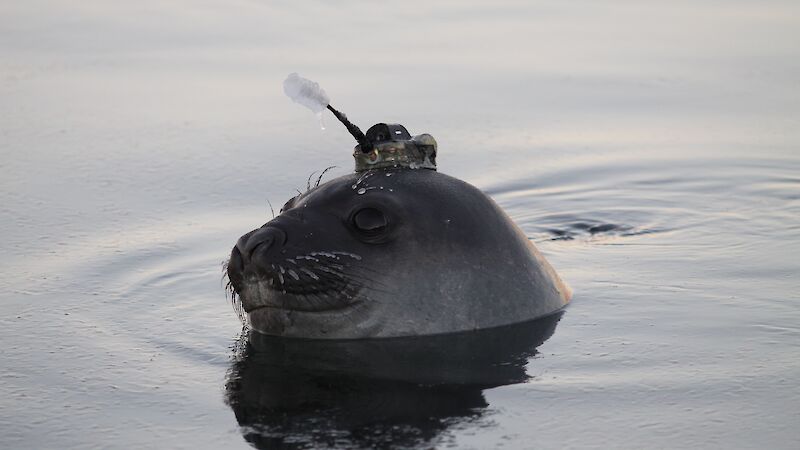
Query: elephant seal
[{"x": 395, "y": 249}]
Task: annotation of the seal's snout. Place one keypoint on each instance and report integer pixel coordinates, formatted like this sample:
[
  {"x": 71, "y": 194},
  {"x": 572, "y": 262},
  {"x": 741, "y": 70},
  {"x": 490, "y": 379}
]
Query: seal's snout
[
  {"x": 266, "y": 240},
  {"x": 269, "y": 277}
]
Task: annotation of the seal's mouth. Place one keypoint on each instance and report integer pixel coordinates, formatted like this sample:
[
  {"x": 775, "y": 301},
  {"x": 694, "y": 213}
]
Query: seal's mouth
[{"x": 319, "y": 281}]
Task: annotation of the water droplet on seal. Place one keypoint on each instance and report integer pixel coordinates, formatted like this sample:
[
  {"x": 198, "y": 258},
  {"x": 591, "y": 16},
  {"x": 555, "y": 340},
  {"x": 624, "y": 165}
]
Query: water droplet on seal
[{"x": 361, "y": 191}]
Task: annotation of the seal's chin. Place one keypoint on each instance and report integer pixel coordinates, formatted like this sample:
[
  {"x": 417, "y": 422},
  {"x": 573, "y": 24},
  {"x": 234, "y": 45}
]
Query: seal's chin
[{"x": 296, "y": 323}]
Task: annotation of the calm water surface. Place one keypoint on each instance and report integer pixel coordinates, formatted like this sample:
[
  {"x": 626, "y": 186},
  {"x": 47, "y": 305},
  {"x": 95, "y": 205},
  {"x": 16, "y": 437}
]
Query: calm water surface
[{"x": 651, "y": 150}]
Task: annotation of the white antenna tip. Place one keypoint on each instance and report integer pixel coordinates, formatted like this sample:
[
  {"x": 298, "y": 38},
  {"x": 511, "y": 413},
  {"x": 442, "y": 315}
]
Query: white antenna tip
[{"x": 306, "y": 92}]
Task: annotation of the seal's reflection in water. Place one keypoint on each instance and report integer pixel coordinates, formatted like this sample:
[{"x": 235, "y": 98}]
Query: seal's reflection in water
[{"x": 297, "y": 393}]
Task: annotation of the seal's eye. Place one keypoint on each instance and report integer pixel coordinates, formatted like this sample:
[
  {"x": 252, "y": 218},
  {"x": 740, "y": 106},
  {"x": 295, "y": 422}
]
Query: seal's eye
[{"x": 370, "y": 221}]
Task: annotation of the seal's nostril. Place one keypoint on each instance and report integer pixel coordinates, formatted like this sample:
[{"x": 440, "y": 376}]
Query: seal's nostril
[
  {"x": 265, "y": 244},
  {"x": 264, "y": 239}
]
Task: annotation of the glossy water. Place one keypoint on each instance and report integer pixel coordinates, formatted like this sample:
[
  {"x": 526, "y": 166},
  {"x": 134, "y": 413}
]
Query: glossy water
[{"x": 651, "y": 150}]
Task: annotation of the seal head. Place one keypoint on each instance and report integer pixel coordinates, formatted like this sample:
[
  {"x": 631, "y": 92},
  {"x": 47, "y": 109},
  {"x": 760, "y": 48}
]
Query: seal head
[{"x": 390, "y": 252}]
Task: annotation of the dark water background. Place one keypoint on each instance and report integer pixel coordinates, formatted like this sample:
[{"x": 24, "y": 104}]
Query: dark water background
[{"x": 650, "y": 149}]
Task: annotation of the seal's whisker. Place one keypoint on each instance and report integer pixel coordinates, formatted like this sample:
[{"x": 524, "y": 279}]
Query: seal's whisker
[
  {"x": 370, "y": 287},
  {"x": 365, "y": 280},
  {"x": 348, "y": 254},
  {"x": 323, "y": 174},
  {"x": 362, "y": 274},
  {"x": 364, "y": 268},
  {"x": 309, "y": 273},
  {"x": 329, "y": 282},
  {"x": 329, "y": 270},
  {"x": 308, "y": 182},
  {"x": 336, "y": 255},
  {"x": 330, "y": 275},
  {"x": 314, "y": 301},
  {"x": 309, "y": 300},
  {"x": 332, "y": 265}
]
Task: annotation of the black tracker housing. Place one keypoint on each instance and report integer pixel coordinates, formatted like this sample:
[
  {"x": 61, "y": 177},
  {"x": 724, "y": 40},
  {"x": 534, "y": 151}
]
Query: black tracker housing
[{"x": 387, "y": 132}]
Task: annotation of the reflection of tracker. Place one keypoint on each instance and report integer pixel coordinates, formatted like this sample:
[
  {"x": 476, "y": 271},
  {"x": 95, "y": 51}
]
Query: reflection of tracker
[
  {"x": 373, "y": 393},
  {"x": 395, "y": 249}
]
